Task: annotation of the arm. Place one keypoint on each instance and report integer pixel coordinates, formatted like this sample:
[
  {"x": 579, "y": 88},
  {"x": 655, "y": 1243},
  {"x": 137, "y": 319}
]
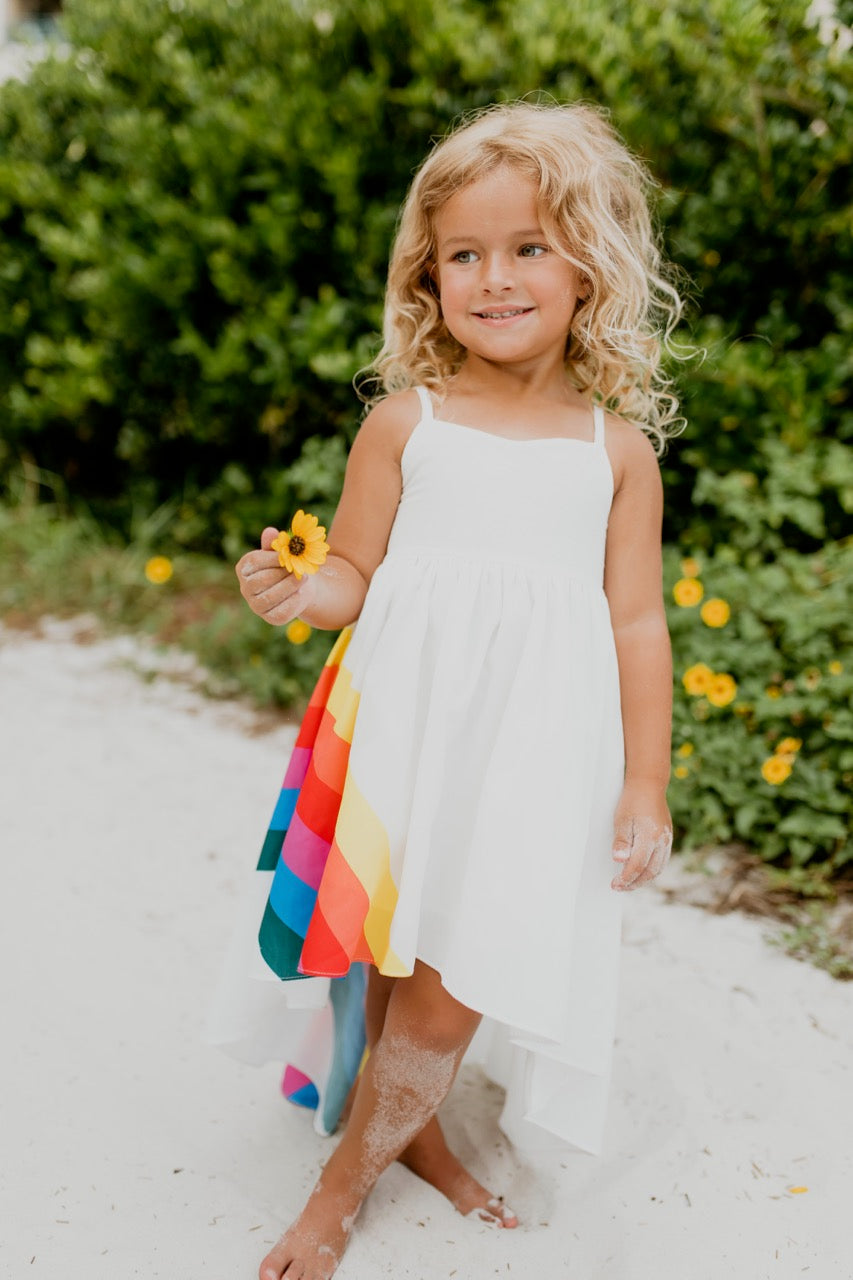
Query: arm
[
  {"x": 358, "y": 538},
  {"x": 632, "y": 583}
]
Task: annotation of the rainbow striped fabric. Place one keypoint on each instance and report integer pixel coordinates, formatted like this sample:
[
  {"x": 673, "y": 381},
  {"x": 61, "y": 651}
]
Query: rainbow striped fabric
[{"x": 333, "y": 896}]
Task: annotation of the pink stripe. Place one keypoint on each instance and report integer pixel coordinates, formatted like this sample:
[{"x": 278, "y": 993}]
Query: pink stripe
[
  {"x": 298, "y": 767},
  {"x": 304, "y": 852}
]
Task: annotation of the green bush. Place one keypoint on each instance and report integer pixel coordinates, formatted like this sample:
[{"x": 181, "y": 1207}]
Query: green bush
[
  {"x": 786, "y": 651},
  {"x": 197, "y": 198}
]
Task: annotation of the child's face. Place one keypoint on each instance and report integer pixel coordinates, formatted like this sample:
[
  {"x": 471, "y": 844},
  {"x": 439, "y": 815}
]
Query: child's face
[{"x": 505, "y": 295}]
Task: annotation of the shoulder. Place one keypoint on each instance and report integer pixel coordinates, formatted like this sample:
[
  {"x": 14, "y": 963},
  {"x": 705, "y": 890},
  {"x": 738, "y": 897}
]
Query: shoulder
[
  {"x": 387, "y": 427},
  {"x": 632, "y": 454}
]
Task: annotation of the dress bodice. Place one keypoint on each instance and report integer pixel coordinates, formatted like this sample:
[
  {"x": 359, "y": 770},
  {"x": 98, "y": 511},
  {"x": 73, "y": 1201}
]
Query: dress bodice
[{"x": 469, "y": 493}]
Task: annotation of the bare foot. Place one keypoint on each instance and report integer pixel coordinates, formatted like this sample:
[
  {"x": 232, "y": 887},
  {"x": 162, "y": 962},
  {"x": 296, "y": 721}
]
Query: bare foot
[
  {"x": 429, "y": 1156},
  {"x": 312, "y": 1248}
]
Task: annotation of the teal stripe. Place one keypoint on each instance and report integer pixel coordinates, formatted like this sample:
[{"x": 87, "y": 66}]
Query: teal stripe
[
  {"x": 280, "y": 946},
  {"x": 268, "y": 861}
]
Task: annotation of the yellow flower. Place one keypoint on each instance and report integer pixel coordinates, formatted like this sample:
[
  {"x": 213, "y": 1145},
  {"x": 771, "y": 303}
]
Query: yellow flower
[
  {"x": 690, "y": 567},
  {"x": 681, "y": 771},
  {"x": 715, "y": 612},
  {"x": 697, "y": 678},
  {"x": 302, "y": 548},
  {"x": 773, "y": 691},
  {"x": 811, "y": 678},
  {"x": 158, "y": 569},
  {"x": 835, "y": 668},
  {"x": 788, "y": 745},
  {"x": 775, "y": 770},
  {"x": 686, "y": 749},
  {"x": 297, "y": 631},
  {"x": 722, "y": 690},
  {"x": 711, "y": 258},
  {"x": 687, "y": 592}
]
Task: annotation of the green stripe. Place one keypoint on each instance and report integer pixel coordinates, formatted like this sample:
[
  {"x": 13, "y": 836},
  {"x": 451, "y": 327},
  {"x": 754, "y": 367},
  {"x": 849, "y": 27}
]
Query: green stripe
[
  {"x": 280, "y": 946},
  {"x": 268, "y": 861}
]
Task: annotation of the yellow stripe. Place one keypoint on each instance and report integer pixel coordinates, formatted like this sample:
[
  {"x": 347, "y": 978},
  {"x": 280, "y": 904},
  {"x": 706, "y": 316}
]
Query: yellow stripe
[
  {"x": 342, "y": 704},
  {"x": 339, "y": 648},
  {"x": 363, "y": 841}
]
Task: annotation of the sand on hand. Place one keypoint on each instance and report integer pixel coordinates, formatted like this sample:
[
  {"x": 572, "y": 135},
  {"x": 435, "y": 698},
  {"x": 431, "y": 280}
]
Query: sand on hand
[{"x": 132, "y": 812}]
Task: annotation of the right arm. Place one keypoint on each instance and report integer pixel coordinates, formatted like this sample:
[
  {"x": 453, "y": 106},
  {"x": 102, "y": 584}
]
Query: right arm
[{"x": 358, "y": 538}]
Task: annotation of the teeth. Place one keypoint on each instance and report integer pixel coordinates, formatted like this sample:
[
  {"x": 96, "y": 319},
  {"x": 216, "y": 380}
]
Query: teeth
[{"x": 501, "y": 315}]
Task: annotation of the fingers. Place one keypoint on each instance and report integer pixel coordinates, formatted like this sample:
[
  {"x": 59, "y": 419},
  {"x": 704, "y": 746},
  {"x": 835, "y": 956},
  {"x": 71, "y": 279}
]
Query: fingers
[
  {"x": 270, "y": 592},
  {"x": 649, "y": 853},
  {"x": 268, "y": 537}
]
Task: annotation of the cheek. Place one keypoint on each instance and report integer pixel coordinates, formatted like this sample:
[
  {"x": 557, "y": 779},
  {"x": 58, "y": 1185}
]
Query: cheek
[{"x": 453, "y": 307}]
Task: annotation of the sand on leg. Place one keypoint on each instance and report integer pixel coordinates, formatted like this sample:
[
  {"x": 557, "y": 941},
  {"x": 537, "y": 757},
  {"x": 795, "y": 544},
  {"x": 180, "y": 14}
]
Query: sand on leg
[
  {"x": 428, "y": 1154},
  {"x": 407, "y": 1076}
]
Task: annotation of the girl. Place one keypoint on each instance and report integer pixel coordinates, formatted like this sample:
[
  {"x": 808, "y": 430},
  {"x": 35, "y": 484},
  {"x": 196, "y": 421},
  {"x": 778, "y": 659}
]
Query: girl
[{"x": 506, "y": 691}]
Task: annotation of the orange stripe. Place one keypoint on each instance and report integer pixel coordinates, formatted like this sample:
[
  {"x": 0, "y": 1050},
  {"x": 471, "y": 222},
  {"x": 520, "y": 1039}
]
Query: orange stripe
[
  {"x": 318, "y": 805},
  {"x": 331, "y": 754},
  {"x": 344, "y": 904}
]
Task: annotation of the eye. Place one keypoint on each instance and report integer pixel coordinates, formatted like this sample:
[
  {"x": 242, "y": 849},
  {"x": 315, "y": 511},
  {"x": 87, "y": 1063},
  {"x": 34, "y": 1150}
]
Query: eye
[
  {"x": 464, "y": 256},
  {"x": 532, "y": 250}
]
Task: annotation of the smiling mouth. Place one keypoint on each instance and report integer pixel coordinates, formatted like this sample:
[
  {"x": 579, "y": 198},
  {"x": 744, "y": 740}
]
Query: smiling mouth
[{"x": 507, "y": 314}]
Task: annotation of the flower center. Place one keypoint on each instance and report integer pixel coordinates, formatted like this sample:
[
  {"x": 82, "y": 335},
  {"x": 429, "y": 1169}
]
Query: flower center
[{"x": 296, "y": 545}]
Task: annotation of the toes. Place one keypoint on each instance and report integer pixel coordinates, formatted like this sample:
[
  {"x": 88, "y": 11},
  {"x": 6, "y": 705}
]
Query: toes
[
  {"x": 504, "y": 1213},
  {"x": 494, "y": 1213},
  {"x": 275, "y": 1266}
]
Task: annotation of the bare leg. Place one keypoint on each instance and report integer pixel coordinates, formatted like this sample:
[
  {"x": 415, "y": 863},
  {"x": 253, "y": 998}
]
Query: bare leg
[
  {"x": 407, "y": 1076},
  {"x": 428, "y": 1154}
]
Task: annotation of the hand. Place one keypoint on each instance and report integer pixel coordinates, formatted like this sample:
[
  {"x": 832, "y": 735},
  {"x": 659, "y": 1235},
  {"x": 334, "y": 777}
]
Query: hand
[
  {"x": 642, "y": 835},
  {"x": 269, "y": 591}
]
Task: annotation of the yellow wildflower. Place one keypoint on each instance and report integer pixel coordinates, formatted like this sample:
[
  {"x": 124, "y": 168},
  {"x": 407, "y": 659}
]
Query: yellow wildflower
[
  {"x": 690, "y": 567},
  {"x": 711, "y": 258},
  {"x": 788, "y": 745},
  {"x": 297, "y": 631},
  {"x": 158, "y": 569},
  {"x": 715, "y": 612},
  {"x": 687, "y": 592},
  {"x": 302, "y": 548},
  {"x": 775, "y": 770},
  {"x": 697, "y": 678},
  {"x": 722, "y": 690},
  {"x": 835, "y": 668},
  {"x": 686, "y": 749},
  {"x": 681, "y": 771},
  {"x": 773, "y": 691}
]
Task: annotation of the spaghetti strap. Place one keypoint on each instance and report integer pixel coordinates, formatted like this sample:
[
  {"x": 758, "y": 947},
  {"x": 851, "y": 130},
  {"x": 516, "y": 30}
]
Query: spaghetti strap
[
  {"x": 426, "y": 404},
  {"x": 598, "y": 419}
]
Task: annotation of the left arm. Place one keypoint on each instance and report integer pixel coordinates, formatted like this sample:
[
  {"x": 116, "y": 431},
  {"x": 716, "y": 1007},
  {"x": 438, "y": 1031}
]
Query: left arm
[{"x": 632, "y": 583}]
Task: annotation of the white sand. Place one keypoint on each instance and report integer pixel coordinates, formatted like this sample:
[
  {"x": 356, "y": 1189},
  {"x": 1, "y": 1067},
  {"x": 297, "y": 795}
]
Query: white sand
[{"x": 130, "y": 814}]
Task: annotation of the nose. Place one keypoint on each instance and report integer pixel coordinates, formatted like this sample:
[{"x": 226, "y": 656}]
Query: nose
[{"x": 497, "y": 273}]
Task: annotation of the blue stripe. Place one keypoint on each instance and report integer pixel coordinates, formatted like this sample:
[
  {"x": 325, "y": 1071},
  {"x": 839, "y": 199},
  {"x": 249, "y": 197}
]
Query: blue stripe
[
  {"x": 307, "y": 1096},
  {"x": 283, "y": 811},
  {"x": 292, "y": 899}
]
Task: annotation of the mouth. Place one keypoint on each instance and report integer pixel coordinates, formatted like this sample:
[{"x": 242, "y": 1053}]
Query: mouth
[{"x": 502, "y": 313}]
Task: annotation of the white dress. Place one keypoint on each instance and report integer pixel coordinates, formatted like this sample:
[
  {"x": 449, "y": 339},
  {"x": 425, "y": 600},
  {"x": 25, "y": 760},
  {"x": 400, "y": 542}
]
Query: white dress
[{"x": 487, "y": 760}]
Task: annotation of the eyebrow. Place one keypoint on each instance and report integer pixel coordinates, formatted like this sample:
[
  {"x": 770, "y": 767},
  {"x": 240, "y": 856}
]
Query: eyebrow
[{"x": 534, "y": 234}]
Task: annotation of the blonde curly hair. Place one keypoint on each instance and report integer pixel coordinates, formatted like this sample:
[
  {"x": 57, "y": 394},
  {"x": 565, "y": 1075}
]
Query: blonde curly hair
[{"x": 594, "y": 208}]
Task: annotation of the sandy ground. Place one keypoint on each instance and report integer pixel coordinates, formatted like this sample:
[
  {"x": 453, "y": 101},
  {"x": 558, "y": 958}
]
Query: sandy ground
[{"x": 131, "y": 813}]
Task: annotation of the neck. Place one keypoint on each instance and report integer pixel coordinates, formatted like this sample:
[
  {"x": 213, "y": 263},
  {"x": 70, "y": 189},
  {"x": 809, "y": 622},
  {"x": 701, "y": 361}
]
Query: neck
[{"x": 538, "y": 381}]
